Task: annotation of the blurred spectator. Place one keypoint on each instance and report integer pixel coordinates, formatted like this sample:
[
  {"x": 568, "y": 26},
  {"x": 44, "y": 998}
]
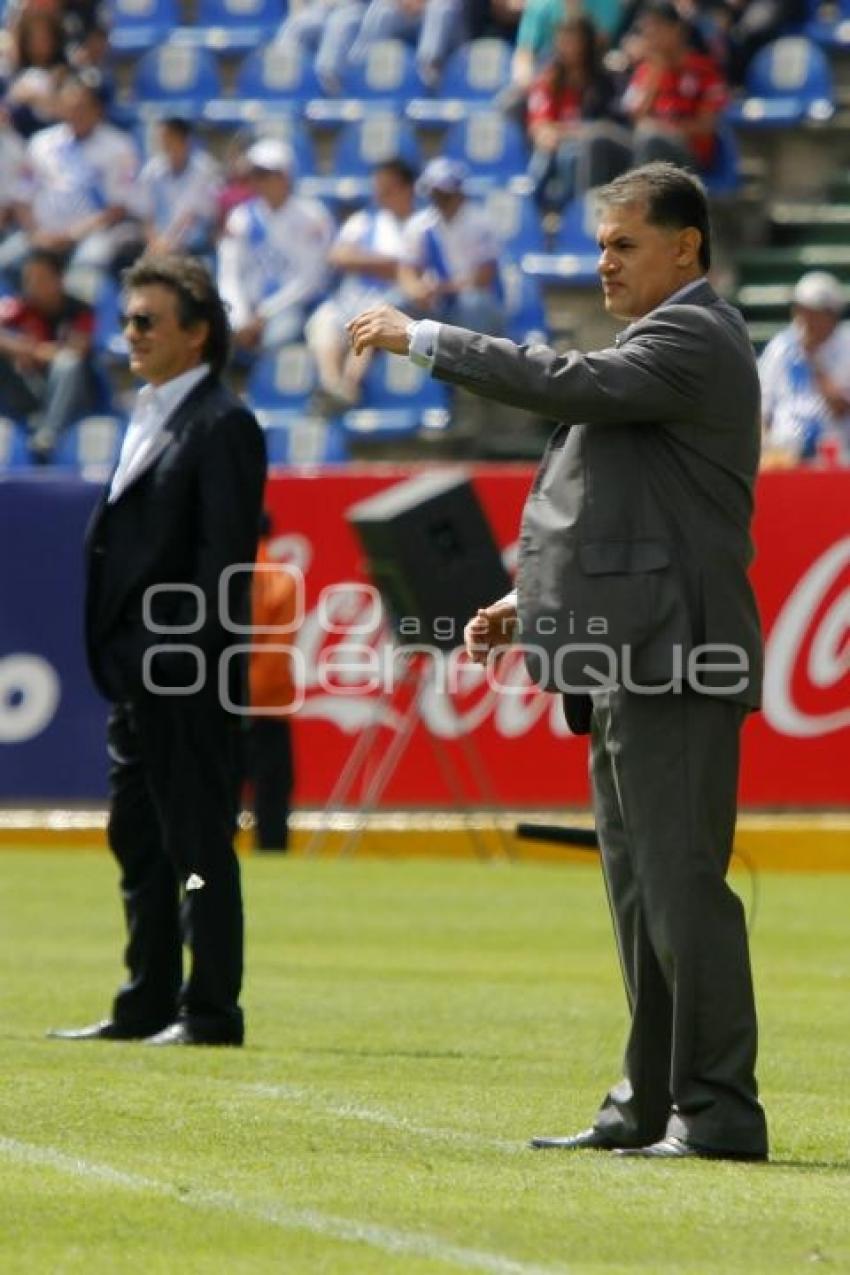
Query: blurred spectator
[
  {"x": 237, "y": 187},
  {"x": 535, "y": 44},
  {"x": 751, "y": 25},
  {"x": 267, "y": 740},
  {"x": 367, "y": 253},
  {"x": 572, "y": 110},
  {"x": 450, "y": 254},
  {"x": 675, "y": 94},
  {"x": 326, "y": 29},
  {"x": 179, "y": 188},
  {"x": 273, "y": 256},
  {"x": 80, "y": 194},
  {"x": 46, "y": 371},
  {"x": 37, "y": 71},
  {"x": 11, "y": 175},
  {"x": 435, "y": 27},
  {"x": 805, "y": 378}
]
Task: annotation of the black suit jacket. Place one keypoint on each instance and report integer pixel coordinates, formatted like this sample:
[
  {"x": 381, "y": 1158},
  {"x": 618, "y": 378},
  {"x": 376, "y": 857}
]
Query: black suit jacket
[
  {"x": 193, "y": 513},
  {"x": 636, "y": 533}
]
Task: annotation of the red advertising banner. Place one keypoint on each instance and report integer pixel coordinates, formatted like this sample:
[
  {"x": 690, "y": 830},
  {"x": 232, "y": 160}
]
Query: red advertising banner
[{"x": 796, "y": 752}]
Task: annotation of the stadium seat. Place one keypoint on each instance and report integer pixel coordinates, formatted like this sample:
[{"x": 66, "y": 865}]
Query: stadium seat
[
  {"x": 724, "y": 177},
  {"x": 273, "y": 78},
  {"x": 516, "y": 220},
  {"x": 233, "y": 26},
  {"x": 380, "y": 136},
  {"x": 293, "y": 438},
  {"x": 384, "y": 80},
  {"x": 473, "y": 76},
  {"x": 399, "y": 399},
  {"x": 829, "y": 23},
  {"x": 493, "y": 146},
  {"x": 788, "y": 82},
  {"x": 13, "y": 444},
  {"x": 176, "y": 79},
  {"x": 283, "y": 378},
  {"x": 524, "y": 306},
  {"x": 90, "y": 445},
  {"x": 138, "y": 25},
  {"x": 360, "y": 146},
  {"x": 575, "y": 253}
]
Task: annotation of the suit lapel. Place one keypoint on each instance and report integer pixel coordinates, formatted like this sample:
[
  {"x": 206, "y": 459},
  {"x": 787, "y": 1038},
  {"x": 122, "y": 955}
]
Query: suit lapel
[{"x": 172, "y": 428}]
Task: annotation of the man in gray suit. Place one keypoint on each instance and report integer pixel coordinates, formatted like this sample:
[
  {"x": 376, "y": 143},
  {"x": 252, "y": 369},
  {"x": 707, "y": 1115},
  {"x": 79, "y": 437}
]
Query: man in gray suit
[{"x": 633, "y": 601}]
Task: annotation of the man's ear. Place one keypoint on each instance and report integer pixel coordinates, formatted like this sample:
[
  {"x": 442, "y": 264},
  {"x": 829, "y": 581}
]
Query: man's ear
[
  {"x": 198, "y": 335},
  {"x": 690, "y": 242}
]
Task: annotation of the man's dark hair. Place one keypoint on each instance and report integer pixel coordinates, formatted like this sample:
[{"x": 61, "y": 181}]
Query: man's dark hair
[
  {"x": 177, "y": 124},
  {"x": 198, "y": 299},
  {"x": 400, "y": 168},
  {"x": 673, "y": 197},
  {"x": 46, "y": 257}
]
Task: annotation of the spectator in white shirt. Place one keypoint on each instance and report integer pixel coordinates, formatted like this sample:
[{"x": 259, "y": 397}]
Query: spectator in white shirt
[
  {"x": 180, "y": 188},
  {"x": 80, "y": 195},
  {"x": 273, "y": 256},
  {"x": 450, "y": 258},
  {"x": 366, "y": 253},
  {"x": 805, "y": 379}
]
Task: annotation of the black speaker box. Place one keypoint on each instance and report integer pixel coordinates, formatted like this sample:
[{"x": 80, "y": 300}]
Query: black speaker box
[{"x": 431, "y": 554}]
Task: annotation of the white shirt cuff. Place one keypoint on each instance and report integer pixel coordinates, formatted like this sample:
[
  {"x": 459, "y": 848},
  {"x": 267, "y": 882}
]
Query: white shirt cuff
[{"x": 422, "y": 343}]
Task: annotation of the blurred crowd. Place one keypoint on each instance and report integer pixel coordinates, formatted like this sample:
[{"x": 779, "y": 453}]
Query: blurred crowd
[{"x": 598, "y": 86}]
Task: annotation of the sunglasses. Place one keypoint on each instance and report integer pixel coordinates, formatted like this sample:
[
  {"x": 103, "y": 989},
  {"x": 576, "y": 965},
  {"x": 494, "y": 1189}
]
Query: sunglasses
[{"x": 141, "y": 321}]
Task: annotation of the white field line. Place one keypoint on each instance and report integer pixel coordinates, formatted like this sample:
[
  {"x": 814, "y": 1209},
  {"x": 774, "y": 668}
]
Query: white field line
[
  {"x": 371, "y": 1115},
  {"x": 387, "y": 1239}
]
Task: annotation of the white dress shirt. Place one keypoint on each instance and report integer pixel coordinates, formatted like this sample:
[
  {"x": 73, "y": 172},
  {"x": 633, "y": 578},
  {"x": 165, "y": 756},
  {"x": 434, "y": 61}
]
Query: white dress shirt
[{"x": 146, "y": 435}]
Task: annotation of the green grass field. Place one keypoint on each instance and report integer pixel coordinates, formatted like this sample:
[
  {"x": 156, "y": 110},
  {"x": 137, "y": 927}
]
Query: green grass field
[{"x": 409, "y": 1026}]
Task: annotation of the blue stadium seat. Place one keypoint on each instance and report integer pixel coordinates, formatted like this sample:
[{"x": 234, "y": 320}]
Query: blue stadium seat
[
  {"x": 293, "y": 438},
  {"x": 380, "y": 136},
  {"x": 273, "y": 78},
  {"x": 14, "y": 453},
  {"x": 360, "y": 145},
  {"x": 524, "y": 306},
  {"x": 516, "y": 220},
  {"x": 724, "y": 177},
  {"x": 829, "y": 23},
  {"x": 575, "y": 253},
  {"x": 233, "y": 26},
  {"x": 283, "y": 378},
  {"x": 386, "y": 79},
  {"x": 788, "y": 82},
  {"x": 399, "y": 399},
  {"x": 176, "y": 79},
  {"x": 493, "y": 146},
  {"x": 138, "y": 25},
  {"x": 91, "y": 445},
  {"x": 473, "y": 76}
]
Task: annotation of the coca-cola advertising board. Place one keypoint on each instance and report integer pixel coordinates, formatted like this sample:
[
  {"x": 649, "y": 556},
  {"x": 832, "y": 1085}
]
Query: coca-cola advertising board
[{"x": 499, "y": 740}]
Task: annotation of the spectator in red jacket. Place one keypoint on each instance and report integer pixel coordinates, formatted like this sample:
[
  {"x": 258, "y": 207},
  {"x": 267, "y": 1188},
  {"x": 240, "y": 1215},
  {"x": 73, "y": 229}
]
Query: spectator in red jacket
[
  {"x": 675, "y": 94},
  {"x": 46, "y": 372},
  {"x": 572, "y": 120}
]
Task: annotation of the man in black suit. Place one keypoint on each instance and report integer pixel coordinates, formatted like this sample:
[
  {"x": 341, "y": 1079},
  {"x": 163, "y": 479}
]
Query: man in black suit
[
  {"x": 634, "y": 603},
  {"x": 182, "y": 510}
]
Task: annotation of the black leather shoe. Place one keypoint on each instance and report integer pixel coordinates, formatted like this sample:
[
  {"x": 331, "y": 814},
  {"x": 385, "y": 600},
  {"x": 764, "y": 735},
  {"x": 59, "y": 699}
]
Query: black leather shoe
[
  {"x": 183, "y": 1033},
  {"x": 678, "y": 1149},
  {"x": 105, "y": 1030},
  {"x": 587, "y": 1140}
]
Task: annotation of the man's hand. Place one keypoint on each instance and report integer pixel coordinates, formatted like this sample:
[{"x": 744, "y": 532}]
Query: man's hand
[
  {"x": 490, "y": 628},
  {"x": 381, "y": 328},
  {"x": 248, "y": 337}
]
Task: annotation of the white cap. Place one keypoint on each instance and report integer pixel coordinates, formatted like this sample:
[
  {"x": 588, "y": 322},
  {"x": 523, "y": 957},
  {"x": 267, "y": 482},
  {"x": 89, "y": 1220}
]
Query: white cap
[
  {"x": 819, "y": 290},
  {"x": 272, "y": 155}
]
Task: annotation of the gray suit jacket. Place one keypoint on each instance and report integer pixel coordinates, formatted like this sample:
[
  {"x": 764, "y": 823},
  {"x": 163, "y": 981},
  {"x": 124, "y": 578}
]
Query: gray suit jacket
[{"x": 635, "y": 538}]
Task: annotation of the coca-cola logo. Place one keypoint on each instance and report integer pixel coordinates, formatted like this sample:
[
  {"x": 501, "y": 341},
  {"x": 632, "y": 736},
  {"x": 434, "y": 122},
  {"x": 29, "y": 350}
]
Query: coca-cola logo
[{"x": 807, "y": 657}]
